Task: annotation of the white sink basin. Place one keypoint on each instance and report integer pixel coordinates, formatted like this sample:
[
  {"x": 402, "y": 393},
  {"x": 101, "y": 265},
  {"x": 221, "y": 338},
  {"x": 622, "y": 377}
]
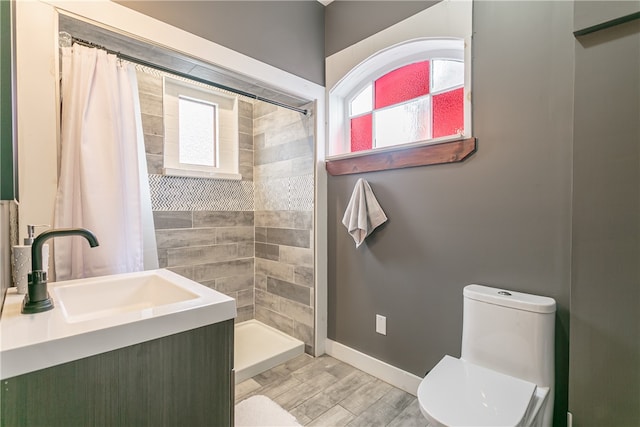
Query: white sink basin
[
  {"x": 100, "y": 314},
  {"x": 87, "y": 299}
]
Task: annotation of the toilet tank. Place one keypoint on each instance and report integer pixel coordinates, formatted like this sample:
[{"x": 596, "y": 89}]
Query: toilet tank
[{"x": 510, "y": 332}]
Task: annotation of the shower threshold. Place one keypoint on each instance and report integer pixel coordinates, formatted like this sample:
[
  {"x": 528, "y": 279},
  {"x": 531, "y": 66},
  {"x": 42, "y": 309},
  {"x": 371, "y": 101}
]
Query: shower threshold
[{"x": 259, "y": 347}]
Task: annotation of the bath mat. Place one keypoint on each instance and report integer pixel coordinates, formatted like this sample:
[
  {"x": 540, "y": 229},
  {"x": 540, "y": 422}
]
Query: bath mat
[{"x": 260, "y": 411}]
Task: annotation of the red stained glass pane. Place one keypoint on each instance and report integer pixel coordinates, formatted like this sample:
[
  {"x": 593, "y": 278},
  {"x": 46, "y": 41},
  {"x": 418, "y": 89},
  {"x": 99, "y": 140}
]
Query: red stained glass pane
[
  {"x": 448, "y": 113},
  {"x": 361, "y": 133},
  {"x": 402, "y": 84}
]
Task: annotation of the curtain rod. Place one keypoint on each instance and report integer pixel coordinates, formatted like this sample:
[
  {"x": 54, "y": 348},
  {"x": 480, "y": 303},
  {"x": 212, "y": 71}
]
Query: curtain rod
[{"x": 187, "y": 76}]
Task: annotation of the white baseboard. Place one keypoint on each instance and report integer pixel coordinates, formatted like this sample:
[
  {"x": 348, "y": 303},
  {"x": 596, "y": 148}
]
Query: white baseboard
[{"x": 379, "y": 369}]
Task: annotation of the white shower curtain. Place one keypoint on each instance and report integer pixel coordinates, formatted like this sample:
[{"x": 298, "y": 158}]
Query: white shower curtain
[{"x": 99, "y": 186}]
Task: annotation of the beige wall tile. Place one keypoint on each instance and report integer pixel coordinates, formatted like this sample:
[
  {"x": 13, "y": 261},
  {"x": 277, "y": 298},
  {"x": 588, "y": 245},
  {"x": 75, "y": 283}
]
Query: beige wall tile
[
  {"x": 274, "y": 269},
  {"x": 236, "y": 283},
  {"x": 303, "y": 276},
  {"x": 274, "y": 319},
  {"x": 267, "y": 300},
  {"x": 222, "y": 218},
  {"x": 244, "y": 298},
  {"x": 234, "y": 234},
  {"x": 300, "y": 312},
  {"x": 296, "y": 256},
  {"x": 183, "y": 237},
  {"x": 201, "y": 254},
  {"x": 288, "y": 290},
  {"x": 218, "y": 270}
]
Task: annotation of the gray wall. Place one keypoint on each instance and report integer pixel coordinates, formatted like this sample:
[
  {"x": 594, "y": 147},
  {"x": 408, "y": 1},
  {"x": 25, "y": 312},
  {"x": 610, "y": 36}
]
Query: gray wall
[
  {"x": 590, "y": 13},
  {"x": 605, "y": 289},
  {"x": 291, "y": 35},
  {"x": 285, "y": 34},
  {"x": 501, "y": 218},
  {"x": 348, "y": 22}
]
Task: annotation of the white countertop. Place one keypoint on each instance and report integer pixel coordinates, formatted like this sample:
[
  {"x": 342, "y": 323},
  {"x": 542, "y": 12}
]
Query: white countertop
[{"x": 29, "y": 342}]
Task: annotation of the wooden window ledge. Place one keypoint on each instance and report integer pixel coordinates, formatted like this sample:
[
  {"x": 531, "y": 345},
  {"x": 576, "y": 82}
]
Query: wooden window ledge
[{"x": 436, "y": 154}]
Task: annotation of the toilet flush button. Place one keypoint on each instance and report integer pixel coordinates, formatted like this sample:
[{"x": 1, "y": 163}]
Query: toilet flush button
[{"x": 505, "y": 293}]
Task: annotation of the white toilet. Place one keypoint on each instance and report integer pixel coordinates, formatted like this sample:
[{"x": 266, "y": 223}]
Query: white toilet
[{"x": 505, "y": 375}]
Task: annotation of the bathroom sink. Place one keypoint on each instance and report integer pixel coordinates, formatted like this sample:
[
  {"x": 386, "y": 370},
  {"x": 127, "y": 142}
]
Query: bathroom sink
[
  {"x": 100, "y": 314},
  {"x": 94, "y": 298}
]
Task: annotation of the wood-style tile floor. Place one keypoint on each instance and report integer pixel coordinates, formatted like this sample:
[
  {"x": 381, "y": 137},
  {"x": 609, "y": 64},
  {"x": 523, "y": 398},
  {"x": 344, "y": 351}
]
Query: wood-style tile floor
[{"x": 324, "y": 391}]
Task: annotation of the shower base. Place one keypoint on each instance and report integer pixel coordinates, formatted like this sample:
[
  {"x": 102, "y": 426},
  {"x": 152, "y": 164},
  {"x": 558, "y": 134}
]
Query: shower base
[{"x": 259, "y": 347}]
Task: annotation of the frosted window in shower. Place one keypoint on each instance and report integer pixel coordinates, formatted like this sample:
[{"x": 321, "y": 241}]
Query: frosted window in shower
[{"x": 197, "y": 131}]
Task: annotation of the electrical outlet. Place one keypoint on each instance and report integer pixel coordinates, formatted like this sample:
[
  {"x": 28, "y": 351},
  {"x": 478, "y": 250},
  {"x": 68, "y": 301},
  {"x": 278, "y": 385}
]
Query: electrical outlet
[{"x": 381, "y": 324}]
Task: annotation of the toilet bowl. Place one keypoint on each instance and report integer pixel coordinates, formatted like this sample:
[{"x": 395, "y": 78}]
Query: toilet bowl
[{"x": 505, "y": 376}]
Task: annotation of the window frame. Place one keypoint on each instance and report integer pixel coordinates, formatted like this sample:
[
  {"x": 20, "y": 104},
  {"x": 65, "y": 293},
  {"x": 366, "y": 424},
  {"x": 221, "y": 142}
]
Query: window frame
[
  {"x": 226, "y": 150},
  {"x": 378, "y": 65}
]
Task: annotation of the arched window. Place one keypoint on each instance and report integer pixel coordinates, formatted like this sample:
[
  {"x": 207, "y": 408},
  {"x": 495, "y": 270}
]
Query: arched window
[
  {"x": 410, "y": 93},
  {"x": 416, "y": 102}
]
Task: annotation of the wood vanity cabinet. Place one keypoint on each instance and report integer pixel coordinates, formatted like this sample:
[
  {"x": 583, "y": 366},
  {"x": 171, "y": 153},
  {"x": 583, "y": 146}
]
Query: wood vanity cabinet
[{"x": 184, "y": 379}]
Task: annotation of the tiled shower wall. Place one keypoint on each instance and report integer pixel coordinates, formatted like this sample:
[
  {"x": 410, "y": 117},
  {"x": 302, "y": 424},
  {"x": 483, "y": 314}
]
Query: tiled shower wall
[
  {"x": 250, "y": 239},
  {"x": 284, "y": 192},
  {"x": 204, "y": 227}
]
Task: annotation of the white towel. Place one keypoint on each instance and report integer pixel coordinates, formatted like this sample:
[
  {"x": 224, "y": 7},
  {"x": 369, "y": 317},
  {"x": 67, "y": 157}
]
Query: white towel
[{"x": 363, "y": 212}]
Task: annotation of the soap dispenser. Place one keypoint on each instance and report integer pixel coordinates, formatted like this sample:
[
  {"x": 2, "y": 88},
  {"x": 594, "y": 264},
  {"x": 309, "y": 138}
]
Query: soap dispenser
[{"x": 21, "y": 259}]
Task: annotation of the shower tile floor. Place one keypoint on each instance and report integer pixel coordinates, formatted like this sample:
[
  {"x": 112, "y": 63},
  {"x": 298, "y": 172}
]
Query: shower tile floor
[{"x": 324, "y": 391}]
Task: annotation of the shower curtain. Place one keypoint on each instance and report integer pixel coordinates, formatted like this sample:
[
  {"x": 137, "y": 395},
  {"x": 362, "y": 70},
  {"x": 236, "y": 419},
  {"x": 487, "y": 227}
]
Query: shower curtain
[{"x": 99, "y": 185}]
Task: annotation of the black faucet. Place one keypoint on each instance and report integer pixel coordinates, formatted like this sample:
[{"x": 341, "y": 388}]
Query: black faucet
[{"x": 37, "y": 299}]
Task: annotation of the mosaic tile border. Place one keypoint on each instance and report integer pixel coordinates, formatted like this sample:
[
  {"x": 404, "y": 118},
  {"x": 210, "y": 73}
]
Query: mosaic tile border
[
  {"x": 294, "y": 193},
  {"x": 172, "y": 193}
]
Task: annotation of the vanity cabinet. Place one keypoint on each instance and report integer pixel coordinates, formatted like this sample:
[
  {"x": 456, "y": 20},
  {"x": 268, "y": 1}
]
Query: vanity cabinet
[{"x": 184, "y": 379}]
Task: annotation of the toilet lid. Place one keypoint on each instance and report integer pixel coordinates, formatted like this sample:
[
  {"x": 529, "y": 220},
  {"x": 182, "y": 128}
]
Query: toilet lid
[{"x": 459, "y": 393}]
